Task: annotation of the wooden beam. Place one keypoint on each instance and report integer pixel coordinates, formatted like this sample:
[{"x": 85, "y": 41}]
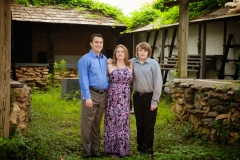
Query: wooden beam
[
  {"x": 175, "y": 3},
  {"x": 5, "y": 66},
  {"x": 154, "y": 42},
  {"x": 203, "y": 50},
  {"x": 183, "y": 38}
]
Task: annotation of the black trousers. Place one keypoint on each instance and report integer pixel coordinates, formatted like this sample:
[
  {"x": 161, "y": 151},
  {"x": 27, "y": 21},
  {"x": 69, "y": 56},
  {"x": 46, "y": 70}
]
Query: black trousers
[{"x": 145, "y": 121}]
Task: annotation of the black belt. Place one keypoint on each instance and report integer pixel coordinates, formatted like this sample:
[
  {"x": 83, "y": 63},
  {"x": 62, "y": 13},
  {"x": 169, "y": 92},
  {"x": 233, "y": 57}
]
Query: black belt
[
  {"x": 97, "y": 91},
  {"x": 144, "y": 94}
]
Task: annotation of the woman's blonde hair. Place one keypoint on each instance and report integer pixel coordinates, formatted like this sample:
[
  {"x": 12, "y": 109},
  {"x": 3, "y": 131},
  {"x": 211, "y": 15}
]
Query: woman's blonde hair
[
  {"x": 126, "y": 55},
  {"x": 145, "y": 46}
]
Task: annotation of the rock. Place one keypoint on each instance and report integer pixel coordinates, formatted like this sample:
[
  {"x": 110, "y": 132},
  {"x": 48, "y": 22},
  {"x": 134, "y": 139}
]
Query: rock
[
  {"x": 214, "y": 102},
  {"x": 221, "y": 109},
  {"x": 189, "y": 105},
  {"x": 179, "y": 100},
  {"x": 212, "y": 114},
  {"x": 173, "y": 109},
  {"x": 179, "y": 108},
  {"x": 205, "y": 131},
  {"x": 230, "y": 93},
  {"x": 189, "y": 91},
  {"x": 179, "y": 95},
  {"x": 197, "y": 87},
  {"x": 222, "y": 90},
  {"x": 222, "y": 116},
  {"x": 221, "y": 96},
  {"x": 197, "y": 111},
  {"x": 178, "y": 89},
  {"x": 189, "y": 96},
  {"x": 184, "y": 85},
  {"x": 207, "y": 121}
]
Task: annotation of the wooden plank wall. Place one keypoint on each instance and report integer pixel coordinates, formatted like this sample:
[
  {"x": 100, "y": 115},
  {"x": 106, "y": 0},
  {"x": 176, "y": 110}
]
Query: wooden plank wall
[
  {"x": 5, "y": 66},
  {"x": 73, "y": 40}
]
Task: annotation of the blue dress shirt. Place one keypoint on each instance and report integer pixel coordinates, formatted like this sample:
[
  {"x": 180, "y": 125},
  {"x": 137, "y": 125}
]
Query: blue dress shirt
[{"x": 92, "y": 71}]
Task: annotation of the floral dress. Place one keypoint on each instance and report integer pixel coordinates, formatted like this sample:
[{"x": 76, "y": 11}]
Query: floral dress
[{"x": 116, "y": 121}]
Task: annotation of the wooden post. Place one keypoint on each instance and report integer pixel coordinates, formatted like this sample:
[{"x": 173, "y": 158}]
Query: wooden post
[
  {"x": 5, "y": 66},
  {"x": 203, "y": 51},
  {"x": 183, "y": 38}
]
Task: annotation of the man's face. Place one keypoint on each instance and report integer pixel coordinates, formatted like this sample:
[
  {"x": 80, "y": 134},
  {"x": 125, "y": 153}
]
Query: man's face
[{"x": 97, "y": 45}]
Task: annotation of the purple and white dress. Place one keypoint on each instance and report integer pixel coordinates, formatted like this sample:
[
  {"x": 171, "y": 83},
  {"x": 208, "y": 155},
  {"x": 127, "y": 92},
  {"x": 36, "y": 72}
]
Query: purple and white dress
[{"x": 116, "y": 120}]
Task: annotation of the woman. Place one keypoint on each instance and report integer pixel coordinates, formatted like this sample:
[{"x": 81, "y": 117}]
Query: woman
[
  {"x": 147, "y": 87},
  {"x": 116, "y": 122}
]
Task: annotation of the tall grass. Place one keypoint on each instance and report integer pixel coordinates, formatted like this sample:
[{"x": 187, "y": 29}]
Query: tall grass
[{"x": 54, "y": 132}]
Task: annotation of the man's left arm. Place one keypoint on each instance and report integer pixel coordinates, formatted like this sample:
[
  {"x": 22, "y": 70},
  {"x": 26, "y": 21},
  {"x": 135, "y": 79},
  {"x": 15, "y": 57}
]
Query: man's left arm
[{"x": 157, "y": 85}]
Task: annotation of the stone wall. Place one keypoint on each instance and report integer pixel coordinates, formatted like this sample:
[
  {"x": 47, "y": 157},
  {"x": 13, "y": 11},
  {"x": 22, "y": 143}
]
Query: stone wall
[
  {"x": 68, "y": 73},
  {"x": 20, "y": 107},
  {"x": 37, "y": 77},
  {"x": 204, "y": 102}
]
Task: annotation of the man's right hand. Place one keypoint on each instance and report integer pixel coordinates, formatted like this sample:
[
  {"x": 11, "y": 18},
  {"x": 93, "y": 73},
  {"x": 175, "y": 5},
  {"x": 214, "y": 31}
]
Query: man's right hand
[
  {"x": 109, "y": 61},
  {"x": 88, "y": 103}
]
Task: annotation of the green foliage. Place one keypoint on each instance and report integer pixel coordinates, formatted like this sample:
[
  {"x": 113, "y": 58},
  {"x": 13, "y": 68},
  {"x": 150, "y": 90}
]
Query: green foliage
[
  {"x": 60, "y": 67},
  {"x": 170, "y": 15},
  {"x": 156, "y": 13},
  {"x": 55, "y": 132},
  {"x": 176, "y": 71},
  {"x": 159, "y": 5},
  {"x": 24, "y": 2},
  {"x": 92, "y": 5},
  {"x": 74, "y": 95},
  {"x": 93, "y": 16},
  {"x": 186, "y": 130},
  {"x": 142, "y": 17},
  {"x": 224, "y": 131}
]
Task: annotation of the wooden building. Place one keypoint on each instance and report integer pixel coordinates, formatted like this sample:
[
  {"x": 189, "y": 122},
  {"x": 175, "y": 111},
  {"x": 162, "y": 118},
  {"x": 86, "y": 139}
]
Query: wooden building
[
  {"x": 47, "y": 34},
  {"x": 213, "y": 46}
]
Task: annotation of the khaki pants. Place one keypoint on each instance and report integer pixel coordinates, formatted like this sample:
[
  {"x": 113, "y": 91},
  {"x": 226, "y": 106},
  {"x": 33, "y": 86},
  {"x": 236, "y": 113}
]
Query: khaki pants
[{"x": 90, "y": 124}]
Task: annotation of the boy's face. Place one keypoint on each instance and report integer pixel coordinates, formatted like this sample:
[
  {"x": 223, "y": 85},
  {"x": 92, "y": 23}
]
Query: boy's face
[
  {"x": 97, "y": 45},
  {"x": 142, "y": 54}
]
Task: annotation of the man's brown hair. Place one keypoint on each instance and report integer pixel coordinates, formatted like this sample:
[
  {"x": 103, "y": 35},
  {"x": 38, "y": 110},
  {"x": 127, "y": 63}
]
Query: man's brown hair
[
  {"x": 145, "y": 46},
  {"x": 96, "y": 35}
]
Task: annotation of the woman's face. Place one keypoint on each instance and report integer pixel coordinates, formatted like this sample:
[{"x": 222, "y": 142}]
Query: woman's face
[
  {"x": 142, "y": 54},
  {"x": 120, "y": 54}
]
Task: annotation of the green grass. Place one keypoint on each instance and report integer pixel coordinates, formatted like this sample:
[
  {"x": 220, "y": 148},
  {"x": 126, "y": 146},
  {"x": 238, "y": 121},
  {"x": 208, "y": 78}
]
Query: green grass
[{"x": 54, "y": 131}]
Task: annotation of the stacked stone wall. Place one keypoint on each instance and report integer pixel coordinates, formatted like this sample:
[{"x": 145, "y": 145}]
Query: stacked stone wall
[
  {"x": 38, "y": 77},
  {"x": 204, "y": 102},
  {"x": 68, "y": 73},
  {"x": 20, "y": 108}
]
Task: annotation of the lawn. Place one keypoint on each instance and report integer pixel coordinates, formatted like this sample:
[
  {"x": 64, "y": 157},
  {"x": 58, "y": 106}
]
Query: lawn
[{"x": 54, "y": 133}]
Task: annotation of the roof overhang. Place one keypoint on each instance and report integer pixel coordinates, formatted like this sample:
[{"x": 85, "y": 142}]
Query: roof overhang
[
  {"x": 216, "y": 15},
  {"x": 56, "y": 14}
]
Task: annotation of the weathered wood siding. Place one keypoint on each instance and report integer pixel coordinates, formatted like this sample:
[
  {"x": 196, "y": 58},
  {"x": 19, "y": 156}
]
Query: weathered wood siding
[
  {"x": 71, "y": 40},
  {"x": 5, "y": 52}
]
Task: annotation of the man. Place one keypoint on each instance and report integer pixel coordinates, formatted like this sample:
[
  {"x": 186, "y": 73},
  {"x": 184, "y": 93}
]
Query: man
[
  {"x": 92, "y": 71},
  {"x": 148, "y": 88}
]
